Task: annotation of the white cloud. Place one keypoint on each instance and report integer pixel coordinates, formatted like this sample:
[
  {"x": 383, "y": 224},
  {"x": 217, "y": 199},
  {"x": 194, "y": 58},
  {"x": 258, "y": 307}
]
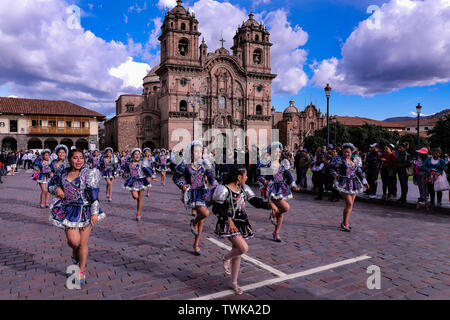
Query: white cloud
[
  {"x": 137, "y": 8},
  {"x": 131, "y": 73},
  {"x": 41, "y": 57},
  {"x": 287, "y": 59},
  {"x": 162, "y": 4},
  {"x": 410, "y": 48},
  {"x": 256, "y": 3}
]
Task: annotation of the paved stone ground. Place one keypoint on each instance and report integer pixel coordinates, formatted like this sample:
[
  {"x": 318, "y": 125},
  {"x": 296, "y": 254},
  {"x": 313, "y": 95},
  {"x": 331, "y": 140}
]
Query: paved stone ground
[{"x": 153, "y": 259}]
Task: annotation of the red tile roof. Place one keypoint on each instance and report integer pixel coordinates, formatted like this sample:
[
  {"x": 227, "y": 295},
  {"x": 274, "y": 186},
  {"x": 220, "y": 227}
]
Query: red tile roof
[{"x": 45, "y": 107}]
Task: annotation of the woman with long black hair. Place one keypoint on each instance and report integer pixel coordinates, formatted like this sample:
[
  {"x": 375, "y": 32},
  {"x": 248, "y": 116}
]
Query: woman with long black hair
[
  {"x": 276, "y": 182},
  {"x": 43, "y": 174},
  {"x": 109, "y": 166},
  {"x": 233, "y": 223},
  {"x": 76, "y": 207},
  {"x": 349, "y": 181},
  {"x": 191, "y": 179}
]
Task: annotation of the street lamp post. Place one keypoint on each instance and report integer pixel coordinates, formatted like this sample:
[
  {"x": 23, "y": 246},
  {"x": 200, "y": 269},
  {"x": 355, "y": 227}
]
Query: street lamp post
[
  {"x": 418, "y": 109},
  {"x": 194, "y": 97},
  {"x": 273, "y": 116},
  {"x": 335, "y": 129},
  {"x": 328, "y": 93}
]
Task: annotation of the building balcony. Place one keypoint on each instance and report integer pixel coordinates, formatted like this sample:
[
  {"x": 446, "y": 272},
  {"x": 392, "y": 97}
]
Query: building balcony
[{"x": 59, "y": 131}]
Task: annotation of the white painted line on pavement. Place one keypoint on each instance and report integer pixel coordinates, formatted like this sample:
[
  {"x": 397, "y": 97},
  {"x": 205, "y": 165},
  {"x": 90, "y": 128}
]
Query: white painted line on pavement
[
  {"x": 269, "y": 282},
  {"x": 250, "y": 259}
]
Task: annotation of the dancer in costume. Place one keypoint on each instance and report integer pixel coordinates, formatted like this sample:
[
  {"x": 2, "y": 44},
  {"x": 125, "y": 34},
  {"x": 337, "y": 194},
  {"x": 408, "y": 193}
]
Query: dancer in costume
[
  {"x": 162, "y": 165},
  {"x": 76, "y": 207},
  {"x": 61, "y": 162},
  {"x": 43, "y": 174},
  {"x": 137, "y": 178},
  {"x": 94, "y": 160},
  {"x": 275, "y": 181},
  {"x": 190, "y": 178},
  {"x": 108, "y": 167},
  {"x": 349, "y": 181},
  {"x": 148, "y": 161},
  {"x": 233, "y": 223}
]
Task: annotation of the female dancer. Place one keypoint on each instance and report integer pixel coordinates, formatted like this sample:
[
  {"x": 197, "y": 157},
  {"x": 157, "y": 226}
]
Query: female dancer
[
  {"x": 137, "y": 178},
  {"x": 276, "y": 180},
  {"x": 349, "y": 180},
  {"x": 94, "y": 160},
  {"x": 43, "y": 174},
  {"x": 108, "y": 167},
  {"x": 229, "y": 207},
  {"x": 163, "y": 163},
  {"x": 58, "y": 165},
  {"x": 76, "y": 207},
  {"x": 190, "y": 178},
  {"x": 148, "y": 163}
]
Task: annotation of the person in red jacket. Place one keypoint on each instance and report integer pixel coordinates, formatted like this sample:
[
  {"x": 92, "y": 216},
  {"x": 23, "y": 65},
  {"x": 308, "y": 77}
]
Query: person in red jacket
[{"x": 387, "y": 171}]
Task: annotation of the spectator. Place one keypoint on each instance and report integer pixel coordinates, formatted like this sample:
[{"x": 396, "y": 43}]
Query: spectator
[
  {"x": 372, "y": 166},
  {"x": 420, "y": 176},
  {"x": 401, "y": 165},
  {"x": 2, "y": 165},
  {"x": 387, "y": 171},
  {"x": 318, "y": 170},
  {"x": 435, "y": 166},
  {"x": 328, "y": 176},
  {"x": 11, "y": 162},
  {"x": 302, "y": 163}
]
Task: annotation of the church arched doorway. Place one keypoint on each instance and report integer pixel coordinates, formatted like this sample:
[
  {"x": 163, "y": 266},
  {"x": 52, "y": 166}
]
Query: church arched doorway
[
  {"x": 9, "y": 144},
  {"x": 50, "y": 143},
  {"x": 82, "y": 144},
  {"x": 34, "y": 143}
]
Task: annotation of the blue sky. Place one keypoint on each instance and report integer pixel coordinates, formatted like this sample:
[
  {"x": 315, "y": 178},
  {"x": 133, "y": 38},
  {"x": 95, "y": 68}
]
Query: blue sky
[{"x": 324, "y": 25}]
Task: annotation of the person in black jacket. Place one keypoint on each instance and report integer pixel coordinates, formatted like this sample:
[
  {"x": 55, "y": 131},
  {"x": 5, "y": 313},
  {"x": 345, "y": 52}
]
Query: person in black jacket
[
  {"x": 372, "y": 165},
  {"x": 402, "y": 162},
  {"x": 3, "y": 165}
]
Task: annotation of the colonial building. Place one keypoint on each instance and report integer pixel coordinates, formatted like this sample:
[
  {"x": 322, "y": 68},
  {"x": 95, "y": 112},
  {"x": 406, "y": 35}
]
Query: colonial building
[
  {"x": 30, "y": 124},
  {"x": 222, "y": 90},
  {"x": 295, "y": 125}
]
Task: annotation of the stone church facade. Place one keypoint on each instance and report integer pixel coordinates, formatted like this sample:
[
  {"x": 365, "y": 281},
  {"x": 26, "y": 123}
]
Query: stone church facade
[
  {"x": 295, "y": 125},
  {"x": 229, "y": 90}
]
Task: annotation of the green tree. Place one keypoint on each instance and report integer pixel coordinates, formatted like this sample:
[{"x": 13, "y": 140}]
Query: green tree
[
  {"x": 362, "y": 136},
  {"x": 412, "y": 140},
  {"x": 440, "y": 134}
]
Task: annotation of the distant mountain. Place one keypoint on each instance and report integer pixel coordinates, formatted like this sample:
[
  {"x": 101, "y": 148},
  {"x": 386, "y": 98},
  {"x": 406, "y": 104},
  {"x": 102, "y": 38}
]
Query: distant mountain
[{"x": 438, "y": 115}]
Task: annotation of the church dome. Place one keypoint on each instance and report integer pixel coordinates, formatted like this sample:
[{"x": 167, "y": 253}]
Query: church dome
[
  {"x": 152, "y": 76},
  {"x": 292, "y": 108},
  {"x": 251, "y": 22},
  {"x": 179, "y": 9}
]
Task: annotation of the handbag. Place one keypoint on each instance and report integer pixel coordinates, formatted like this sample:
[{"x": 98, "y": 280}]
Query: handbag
[
  {"x": 409, "y": 171},
  {"x": 441, "y": 183},
  {"x": 35, "y": 175}
]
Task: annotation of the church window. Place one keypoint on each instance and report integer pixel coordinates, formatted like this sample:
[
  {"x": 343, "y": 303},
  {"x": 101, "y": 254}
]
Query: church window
[
  {"x": 130, "y": 108},
  {"x": 183, "y": 82},
  {"x": 256, "y": 38},
  {"x": 148, "y": 123},
  {"x": 183, "y": 106},
  {"x": 259, "y": 88},
  {"x": 222, "y": 102},
  {"x": 259, "y": 109},
  {"x": 257, "y": 56},
  {"x": 183, "y": 46},
  {"x": 183, "y": 26},
  {"x": 311, "y": 126}
]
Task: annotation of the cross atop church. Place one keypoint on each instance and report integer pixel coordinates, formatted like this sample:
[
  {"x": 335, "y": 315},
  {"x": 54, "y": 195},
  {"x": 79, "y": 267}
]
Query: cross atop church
[
  {"x": 222, "y": 40},
  {"x": 179, "y": 2}
]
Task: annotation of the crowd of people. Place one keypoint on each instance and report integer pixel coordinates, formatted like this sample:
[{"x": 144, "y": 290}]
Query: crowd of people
[
  {"x": 392, "y": 163},
  {"x": 73, "y": 178}
]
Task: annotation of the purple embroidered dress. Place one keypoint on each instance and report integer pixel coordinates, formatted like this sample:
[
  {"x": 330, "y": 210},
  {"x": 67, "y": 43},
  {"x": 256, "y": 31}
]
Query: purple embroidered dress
[
  {"x": 349, "y": 177},
  {"x": 197, "y": 195},
  {"x": 137, "y": 176},
  {"x": 80, "y": 202},
  {"x": 280, "y": 180},
  {"x": 45, "y": 170}
]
